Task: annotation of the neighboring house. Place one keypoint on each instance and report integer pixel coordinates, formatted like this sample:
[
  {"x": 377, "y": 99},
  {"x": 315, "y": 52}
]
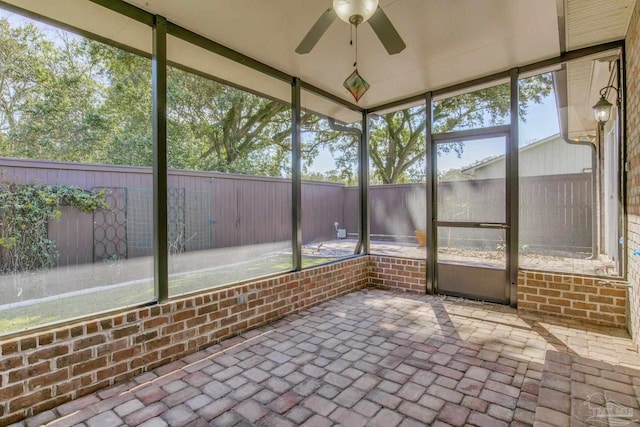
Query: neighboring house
[
  {"x": 556, "y": 199},
  {"x": 549, "y": 156}
]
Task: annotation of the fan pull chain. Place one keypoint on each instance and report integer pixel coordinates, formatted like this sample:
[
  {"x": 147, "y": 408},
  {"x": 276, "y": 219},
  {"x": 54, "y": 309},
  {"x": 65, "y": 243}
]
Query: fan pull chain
[{"x": 355, "y": 64}]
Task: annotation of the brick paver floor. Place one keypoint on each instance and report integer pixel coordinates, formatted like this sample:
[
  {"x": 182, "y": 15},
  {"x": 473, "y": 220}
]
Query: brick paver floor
[{"x": 378, "y": 358}]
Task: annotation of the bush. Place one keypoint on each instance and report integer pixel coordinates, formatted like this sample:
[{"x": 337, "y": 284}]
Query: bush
[{"x": 25, "y": 211}]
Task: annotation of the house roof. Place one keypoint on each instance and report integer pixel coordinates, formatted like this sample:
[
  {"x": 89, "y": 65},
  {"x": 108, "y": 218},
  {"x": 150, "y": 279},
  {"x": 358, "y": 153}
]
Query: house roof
[{"x": 491, "y": 160}]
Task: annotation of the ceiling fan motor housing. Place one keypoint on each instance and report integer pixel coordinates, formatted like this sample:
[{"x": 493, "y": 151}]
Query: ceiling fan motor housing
[{"x": 355, "y": 12}]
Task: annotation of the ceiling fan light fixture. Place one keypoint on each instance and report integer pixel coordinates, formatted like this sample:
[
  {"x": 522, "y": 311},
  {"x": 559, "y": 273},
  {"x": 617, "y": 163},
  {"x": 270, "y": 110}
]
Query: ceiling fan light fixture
[{"x": 355, "y": 12}]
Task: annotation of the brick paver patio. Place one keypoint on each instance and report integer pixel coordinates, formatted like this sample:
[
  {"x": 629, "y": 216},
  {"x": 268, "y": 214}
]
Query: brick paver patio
[{"x": 384, "y": 359}]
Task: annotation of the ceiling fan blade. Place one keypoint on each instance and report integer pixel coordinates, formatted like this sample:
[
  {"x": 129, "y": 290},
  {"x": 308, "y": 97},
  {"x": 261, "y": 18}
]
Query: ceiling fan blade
[
  {"x": 386, "y": 32},
  {"x": 318, "y": 29}
]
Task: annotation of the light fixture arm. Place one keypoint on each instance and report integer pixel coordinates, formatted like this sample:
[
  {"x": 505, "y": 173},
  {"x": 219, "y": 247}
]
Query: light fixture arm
[{"x": 603, "y": 92}]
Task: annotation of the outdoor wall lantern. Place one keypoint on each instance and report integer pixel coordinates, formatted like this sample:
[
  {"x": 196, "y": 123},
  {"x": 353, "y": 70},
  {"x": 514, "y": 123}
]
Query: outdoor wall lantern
[{"x": 602, "y": 109}]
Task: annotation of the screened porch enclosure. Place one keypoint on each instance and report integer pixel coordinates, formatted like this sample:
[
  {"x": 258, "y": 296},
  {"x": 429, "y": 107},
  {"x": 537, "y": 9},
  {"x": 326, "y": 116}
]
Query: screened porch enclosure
[
  {"x": 202, "y": 221},
  {"x": 281, "y": 175}
]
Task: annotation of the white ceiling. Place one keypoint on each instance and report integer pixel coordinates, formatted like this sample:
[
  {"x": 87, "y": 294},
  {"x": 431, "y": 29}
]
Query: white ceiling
[
  {"x": 448, "y": 41},
  {"x": 589, "y": 23}
]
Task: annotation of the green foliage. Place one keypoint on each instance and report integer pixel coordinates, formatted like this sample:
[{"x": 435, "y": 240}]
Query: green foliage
[
  {"x": 221, "y": 128},
  {"x": 453, "y": 175},
  {"x": 397, "y": 140},
  {"x": 71, "y": 99},
  {"x": 21, "y": 68},
  {"x": 74, "y": 99},
  {"x": 397, "y": 144},
  {"x": 25, "y": 211},
  {"x": 123, "y": 98}
]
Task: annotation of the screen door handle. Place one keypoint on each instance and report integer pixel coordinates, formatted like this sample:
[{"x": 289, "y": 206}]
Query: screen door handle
[{"x": 493, "y": 225}]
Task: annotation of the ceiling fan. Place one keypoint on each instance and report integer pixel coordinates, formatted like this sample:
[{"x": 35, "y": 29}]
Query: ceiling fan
[{"x": 355, "y": 12}]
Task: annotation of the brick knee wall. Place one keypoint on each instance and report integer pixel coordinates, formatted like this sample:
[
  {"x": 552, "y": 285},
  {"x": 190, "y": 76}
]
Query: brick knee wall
[
  {"x": 586, "y": 299},
  {"x": 401, "y": 274},
  {"x": 581, "y": 298},
  {"x": 45, "y": 369}
]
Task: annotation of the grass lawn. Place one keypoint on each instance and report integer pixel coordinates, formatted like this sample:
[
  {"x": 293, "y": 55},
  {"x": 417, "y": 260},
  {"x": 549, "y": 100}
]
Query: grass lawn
[{"x": 95, "y": 300}]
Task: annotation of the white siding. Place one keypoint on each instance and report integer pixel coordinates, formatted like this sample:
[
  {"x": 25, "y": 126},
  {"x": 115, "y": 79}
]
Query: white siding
[{"x": 554, "y": 157}]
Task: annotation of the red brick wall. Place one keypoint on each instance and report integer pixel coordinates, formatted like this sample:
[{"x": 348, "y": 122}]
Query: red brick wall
[
  {"x": 586, "y": 299},
  {"x": 45, "y": 369},
  {"x": 407, "y": 275},
  {"x": 48, "y": 368},
  {"x": 632, "y": 46}
]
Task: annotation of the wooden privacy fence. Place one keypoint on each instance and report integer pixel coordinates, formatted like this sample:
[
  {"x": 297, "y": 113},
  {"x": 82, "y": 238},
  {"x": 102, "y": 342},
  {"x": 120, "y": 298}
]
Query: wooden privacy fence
[
  {"x": 216, "y": 210},
  {"x": 206, "y": 209},
  {"x": 555, "y": 211}
]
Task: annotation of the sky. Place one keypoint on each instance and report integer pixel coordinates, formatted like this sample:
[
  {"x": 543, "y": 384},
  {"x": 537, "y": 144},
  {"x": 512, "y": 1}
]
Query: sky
[{"x": 541, "y": 122}]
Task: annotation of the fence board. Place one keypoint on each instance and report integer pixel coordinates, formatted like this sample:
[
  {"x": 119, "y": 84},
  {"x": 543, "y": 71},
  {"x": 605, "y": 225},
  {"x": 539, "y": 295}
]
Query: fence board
[
  {"x": 322, "y": 207},
  {"x": 351, "y": 211},
  {"x": 242, "y": 209},
  {"x": 555, "y": 211}
]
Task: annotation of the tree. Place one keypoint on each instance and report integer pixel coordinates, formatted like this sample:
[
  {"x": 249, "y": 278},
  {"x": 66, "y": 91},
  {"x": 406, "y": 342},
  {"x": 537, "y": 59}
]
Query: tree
[
  {"x": 218, "y": 127},
  {"x": 397, "y": 145},
  {"x": 125, "y": 105},
  {"x": 63, "y": 97},
  {"x": 62, "y": 119},
  {"x": 22, "y": 62},
  {"x": 70, "y": 98},
  {"x": 454, "y": 175}
]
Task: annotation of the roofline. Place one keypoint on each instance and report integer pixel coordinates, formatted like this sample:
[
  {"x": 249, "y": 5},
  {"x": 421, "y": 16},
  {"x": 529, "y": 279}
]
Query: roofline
[{"x": 524, "y": 148}]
